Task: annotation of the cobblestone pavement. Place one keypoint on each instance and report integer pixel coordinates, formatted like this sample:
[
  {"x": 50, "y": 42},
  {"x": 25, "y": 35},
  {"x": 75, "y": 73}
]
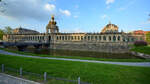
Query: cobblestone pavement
[{"x": 146, "y": 64}]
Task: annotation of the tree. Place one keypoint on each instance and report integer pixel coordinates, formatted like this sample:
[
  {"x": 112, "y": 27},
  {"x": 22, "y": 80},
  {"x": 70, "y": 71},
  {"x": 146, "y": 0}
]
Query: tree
[
  {"x": 8, "y": 30},
  {"x": 2, "y": 6},
  {"x": 148, "y": 37},
  {"x": 1, "y": 34}
]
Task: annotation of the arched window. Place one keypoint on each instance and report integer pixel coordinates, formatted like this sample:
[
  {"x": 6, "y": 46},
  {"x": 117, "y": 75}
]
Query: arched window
[
  {"x": 81, "y": 37},
  {"x": 78, "y": 37},
  {"x": 95, "y": 37},
  {"x": 99, "y": 37},
  {"x": 71, "y": 37},
  {"x": 68, "y": 37},
  {"x": 109, "y": 38},
  {"x": 75, "y": 37},
  {"x": 84, "y": 37},
  {"x": 104, "y": 37},
  {"x": 57, "y": 37},
  {"x": 114, "y": 38},
  {"x": 118, "y": 38},
  {"x": 62, "y": 37}
]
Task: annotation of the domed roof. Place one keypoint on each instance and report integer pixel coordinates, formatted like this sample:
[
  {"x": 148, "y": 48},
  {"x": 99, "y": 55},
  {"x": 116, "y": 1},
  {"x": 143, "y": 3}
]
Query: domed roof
[
  {"x": 109, "y": 28},
  {"x": 21, "y": 30}
]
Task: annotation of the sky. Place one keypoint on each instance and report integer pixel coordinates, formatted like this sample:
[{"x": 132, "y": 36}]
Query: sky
[{"x": 76, "y": 15}]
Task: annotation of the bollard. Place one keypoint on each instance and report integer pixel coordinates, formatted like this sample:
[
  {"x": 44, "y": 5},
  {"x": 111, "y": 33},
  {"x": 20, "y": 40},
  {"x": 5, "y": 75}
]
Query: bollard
[
  {"x": 3, "y": 68},
  {"x": 20, "y": 71},
  {"x": 45, "y": 76},
  {"x": 78, "y": 80}
]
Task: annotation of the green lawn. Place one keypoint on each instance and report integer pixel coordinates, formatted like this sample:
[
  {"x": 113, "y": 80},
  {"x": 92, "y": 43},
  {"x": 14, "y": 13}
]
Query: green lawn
[
  {"x": 93, "y": 73},
  {"x": 142, "y": 49},
  {"x": 83, "y": 58}
]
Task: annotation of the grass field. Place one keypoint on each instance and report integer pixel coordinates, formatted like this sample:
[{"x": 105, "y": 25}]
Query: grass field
[
  {"x": 93, "y": 73},
  {"x": 142, "y": 49},
  {"x": 83, "y": 58}
]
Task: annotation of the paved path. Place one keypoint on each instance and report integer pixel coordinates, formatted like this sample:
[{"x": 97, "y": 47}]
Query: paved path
[
  {"x": 147, "y": 64},
  {"x": 8, "y": 79}
]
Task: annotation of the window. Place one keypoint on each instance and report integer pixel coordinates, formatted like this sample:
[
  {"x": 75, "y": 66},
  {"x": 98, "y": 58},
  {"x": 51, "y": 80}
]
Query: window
[
  {"x": 104, "y": 37},
  {"x": 75, "y": 37},
  {"x": 62, "y": 37},
  {"x": 57, "y": 37},
  {"x": 71, "y": 37},
  {"x": 81, "y": 37},
  {"x": 109, "y": 38},
  {"x": 114, "y": 38},
  {"x": 95, "y": 37},
  {"x": 68, "y": 37},
  {"x": 118, "y": 38},
  {"x": 78, "y": 37},
  {"x": 99, "y": 37},
  {"x": 85, "y": 37}
]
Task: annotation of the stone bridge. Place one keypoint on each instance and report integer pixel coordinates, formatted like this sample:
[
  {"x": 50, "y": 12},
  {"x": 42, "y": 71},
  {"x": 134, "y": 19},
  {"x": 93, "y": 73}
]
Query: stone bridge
[{"x": 23, "y": 45}]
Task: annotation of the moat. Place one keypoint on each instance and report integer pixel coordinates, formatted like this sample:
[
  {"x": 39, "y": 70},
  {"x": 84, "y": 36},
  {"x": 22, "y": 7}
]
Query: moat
[{"x": 93, "y": 54}]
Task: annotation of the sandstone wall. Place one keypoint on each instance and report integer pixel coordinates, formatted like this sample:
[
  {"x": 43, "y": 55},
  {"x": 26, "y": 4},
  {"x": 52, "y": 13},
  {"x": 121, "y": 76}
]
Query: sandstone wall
[{"x": 87, "y": 46}]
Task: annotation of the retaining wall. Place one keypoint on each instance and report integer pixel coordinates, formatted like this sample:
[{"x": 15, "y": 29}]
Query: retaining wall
[{"x": 87, "y": 46}]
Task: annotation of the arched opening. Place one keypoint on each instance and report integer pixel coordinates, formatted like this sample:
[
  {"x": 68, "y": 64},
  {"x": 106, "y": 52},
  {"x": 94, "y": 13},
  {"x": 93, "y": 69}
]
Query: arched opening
[
  {"x": 109, "y": 38},
  {"x": 104, "y": 37},
  {"x": 114, "y": 38},
  {"x": 118, "y": 38}
]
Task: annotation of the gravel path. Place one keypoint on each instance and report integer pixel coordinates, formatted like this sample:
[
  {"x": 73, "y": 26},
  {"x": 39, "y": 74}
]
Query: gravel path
[{"x": 147, "y": 64}]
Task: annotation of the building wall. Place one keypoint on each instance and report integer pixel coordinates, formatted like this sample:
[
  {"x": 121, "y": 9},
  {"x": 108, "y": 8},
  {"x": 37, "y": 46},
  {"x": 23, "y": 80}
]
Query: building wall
[
  {"x": 112, "y": 47},
  {"x": 114, "y": 43},
  {"x": 117, "y": 42}
]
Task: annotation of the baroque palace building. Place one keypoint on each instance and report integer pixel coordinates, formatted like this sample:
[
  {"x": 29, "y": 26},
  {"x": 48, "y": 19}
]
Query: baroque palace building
[{"x": 108, "y": 40}]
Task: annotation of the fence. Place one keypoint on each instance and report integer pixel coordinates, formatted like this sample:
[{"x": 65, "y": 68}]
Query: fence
[{"x": 44, "y": 76}]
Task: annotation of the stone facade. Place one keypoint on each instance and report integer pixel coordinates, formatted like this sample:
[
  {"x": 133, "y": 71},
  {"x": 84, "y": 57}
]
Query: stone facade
[
  {"x": 140, "y": 34},
  {"x": 109, "y": 40}
]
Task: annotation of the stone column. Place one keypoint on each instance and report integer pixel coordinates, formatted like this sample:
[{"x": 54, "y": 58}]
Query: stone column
[{"x": 116, "y": 38}]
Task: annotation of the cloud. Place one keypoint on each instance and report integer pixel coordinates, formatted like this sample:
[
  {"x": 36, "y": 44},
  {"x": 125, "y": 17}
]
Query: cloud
[
  {"x": 75, "y": 16},
  {"x": 28, "y": 9},
  {"x": 65, "y": 12},
  {"x": 109, "y": 1},
  {"x": 127, "y": 5},
  {"x": 146, "y": 22},
  {"x": 104, "y": 16},
  {"x": 50, "y": 7},
  {"x": 76, "y": 6}
]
